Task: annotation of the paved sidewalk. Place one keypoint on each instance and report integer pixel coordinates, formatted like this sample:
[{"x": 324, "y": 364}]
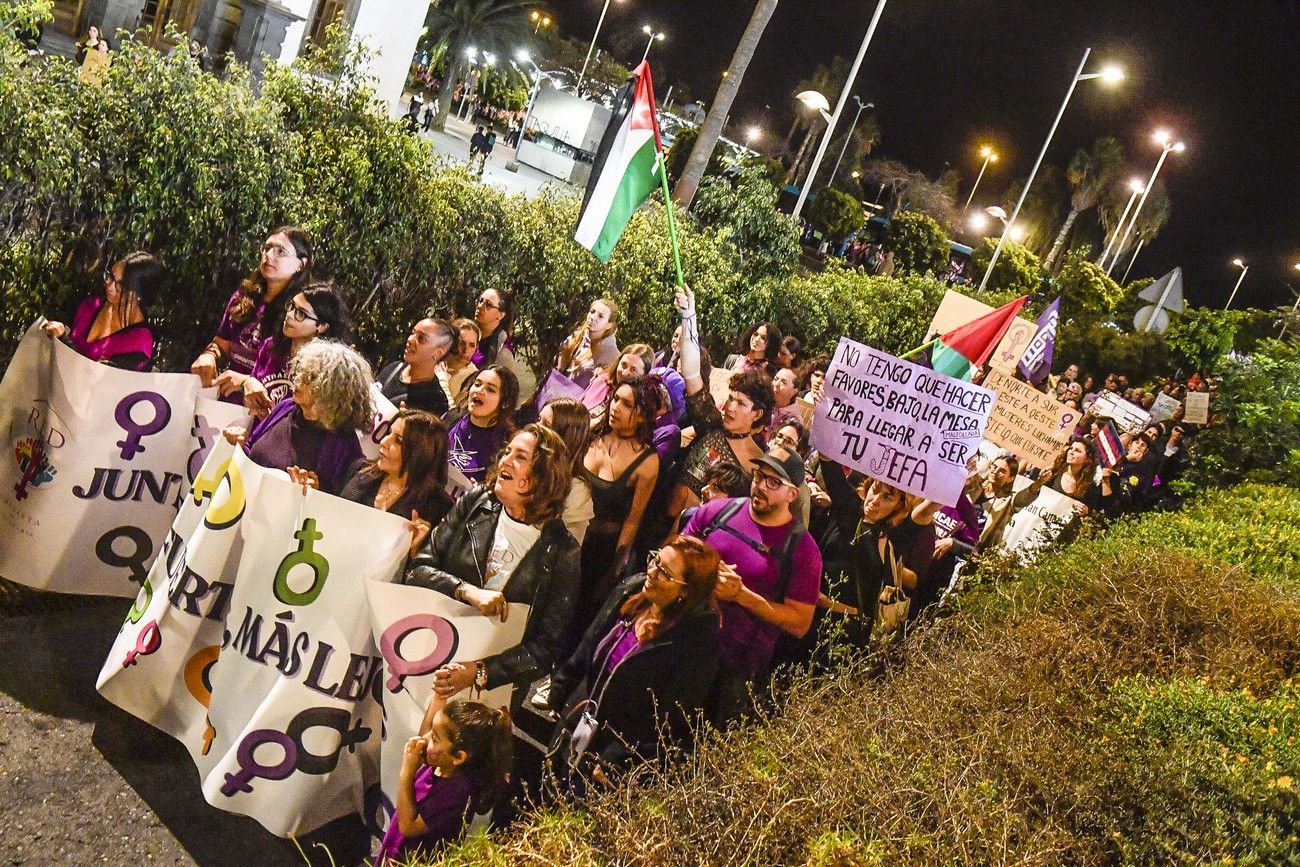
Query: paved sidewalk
[{"x": 453, "y": 143}]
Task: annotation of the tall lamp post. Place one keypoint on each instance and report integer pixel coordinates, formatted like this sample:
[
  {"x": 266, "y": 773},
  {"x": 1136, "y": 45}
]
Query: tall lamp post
[
  {"x": 1167, "y": 144},
  {"x": 839, "y": 109},
  {"x": 1110, "y": 75},
  {"x": 849, "y": 137},
  {"x": 1135, "y": 186},
  {"x": 989, "y": 157},
  {"x": 591, "y": 49},
  {"x": 524, "y": 57},
  {"x": 654, "y": 35},
  {"x": 1244, "y": 268}
]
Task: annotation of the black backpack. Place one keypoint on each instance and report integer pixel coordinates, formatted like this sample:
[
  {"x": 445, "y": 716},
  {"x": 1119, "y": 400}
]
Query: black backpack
[{"x": 721, "y": 522}]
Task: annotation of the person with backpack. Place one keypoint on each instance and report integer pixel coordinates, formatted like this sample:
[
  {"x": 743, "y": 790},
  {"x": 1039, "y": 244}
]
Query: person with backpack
[{"x": 770, "y": 576}]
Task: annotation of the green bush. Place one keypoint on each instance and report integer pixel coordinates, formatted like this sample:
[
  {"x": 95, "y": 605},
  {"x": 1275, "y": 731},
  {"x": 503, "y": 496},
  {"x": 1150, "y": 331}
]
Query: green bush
[
  {"x": 1084, "y": 288},
  {"x": 1018, "y": 270},
  {"x": 1099, "y": 347},
  {"x": 918, "y": 243},
  {"x": 835, "y": 214},
  {"x": 1200, "y": 338},
  {"x": 742, "y": 210}
]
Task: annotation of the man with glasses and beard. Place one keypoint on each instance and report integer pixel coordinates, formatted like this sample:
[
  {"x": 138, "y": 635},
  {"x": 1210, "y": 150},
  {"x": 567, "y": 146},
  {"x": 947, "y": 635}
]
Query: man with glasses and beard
[{"x": 770, "y": 576}]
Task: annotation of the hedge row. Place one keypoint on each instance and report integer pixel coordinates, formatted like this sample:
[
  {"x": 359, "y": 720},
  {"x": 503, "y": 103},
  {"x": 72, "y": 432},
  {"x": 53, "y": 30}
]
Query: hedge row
[{"x": 1131, "y": 699}]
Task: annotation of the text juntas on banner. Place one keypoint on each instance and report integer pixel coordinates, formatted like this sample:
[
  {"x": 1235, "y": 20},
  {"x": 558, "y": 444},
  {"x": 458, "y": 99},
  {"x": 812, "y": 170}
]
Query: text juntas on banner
[
  {"x": 900, "y": 422},
  {"x": 1028, "y": 423}
]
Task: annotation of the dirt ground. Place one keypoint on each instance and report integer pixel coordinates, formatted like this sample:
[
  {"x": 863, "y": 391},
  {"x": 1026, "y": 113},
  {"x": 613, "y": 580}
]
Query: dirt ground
[{"x": 82, "y": 782}]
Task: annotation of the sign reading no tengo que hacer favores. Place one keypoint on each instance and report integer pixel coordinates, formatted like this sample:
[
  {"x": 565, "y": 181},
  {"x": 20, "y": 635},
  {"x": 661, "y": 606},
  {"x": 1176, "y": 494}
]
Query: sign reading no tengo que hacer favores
[
  {"x": 95, "y": 462},
  {"x": 900, "y": 422},
  {"x": 1028, "y": 423}
]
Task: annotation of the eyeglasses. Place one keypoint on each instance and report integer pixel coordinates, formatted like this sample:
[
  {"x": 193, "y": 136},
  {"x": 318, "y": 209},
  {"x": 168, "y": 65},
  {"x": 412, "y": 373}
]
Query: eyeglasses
[
  {"x": 298, "y": 314},
  {"x": 275, "y": 251},
  {"x": 769, "y": 483},
  {"x": 484, "y": 302},
  {"x": 655, "y": 568}
]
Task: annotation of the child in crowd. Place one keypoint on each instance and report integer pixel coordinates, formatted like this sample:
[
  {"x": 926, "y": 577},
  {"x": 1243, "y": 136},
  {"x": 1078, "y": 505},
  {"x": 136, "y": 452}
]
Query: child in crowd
[{"x": 457, "y": 766}]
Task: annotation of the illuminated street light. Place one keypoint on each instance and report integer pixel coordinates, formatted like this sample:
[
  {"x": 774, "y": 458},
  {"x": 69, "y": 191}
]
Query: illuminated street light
[
  {"x": 989, "y": 157},
  {"x": 1108, "y": 75},
  {"x": 1244, "y": 268},
  {"x": 753, "y": 134},
  {"x": 1136, "y": 186},
  {"x": 1165, "y": 140},
  {"x": 861, "y": 105},
  {"x": 654, "y": 36}
]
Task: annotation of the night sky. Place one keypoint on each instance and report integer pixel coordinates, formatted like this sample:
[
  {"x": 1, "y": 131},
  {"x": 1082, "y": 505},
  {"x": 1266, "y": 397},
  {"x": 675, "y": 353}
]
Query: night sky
[{"x": 949, "y": 75}]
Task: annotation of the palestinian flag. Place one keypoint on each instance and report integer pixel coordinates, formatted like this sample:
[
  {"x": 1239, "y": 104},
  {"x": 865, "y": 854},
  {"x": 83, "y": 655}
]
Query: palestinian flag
[
  {"x": 625, "y": 172},
  {"x": 967, "y": 347}
]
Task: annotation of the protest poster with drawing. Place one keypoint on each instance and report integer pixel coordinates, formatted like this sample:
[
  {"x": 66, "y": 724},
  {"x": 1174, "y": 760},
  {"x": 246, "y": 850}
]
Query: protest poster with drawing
[
  {"x": 295, "y": 690},
  {"x": 900, "y": 422},
  {"x": 418, "y": 631},
  {"x": 1197, "y": 407},
  {"x": 1164, "y": 407},
  {"x": 1128, "y": 416},
  {"x": 957, "y": 309},
  {"x": 1037, "y": 525},
  {"x": 1028, "y": 423},
  {"x": 95, "y": 465}
]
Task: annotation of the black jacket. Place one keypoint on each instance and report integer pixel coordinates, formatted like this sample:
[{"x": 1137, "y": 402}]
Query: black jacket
[
  {"x": 659, "y": 685},
  {"x": 546, "y": 579}
]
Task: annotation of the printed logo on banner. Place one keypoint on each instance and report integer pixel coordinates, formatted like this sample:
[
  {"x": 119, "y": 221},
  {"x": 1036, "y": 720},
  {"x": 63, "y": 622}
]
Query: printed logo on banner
[{"x": 32, "y": 445}]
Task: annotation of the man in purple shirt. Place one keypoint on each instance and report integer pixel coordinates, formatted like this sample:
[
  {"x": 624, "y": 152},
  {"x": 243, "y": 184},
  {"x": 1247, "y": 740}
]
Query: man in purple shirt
[{"x": 758, "y": 557}]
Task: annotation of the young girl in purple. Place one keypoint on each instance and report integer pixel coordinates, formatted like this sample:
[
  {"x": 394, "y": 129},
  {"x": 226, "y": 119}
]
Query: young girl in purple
[
  {"x": 487, "y": 400},
  {"x": 257, "y": 307},
  {"x": 456, "y": 767},
  {"x": 111, "y": 327}
]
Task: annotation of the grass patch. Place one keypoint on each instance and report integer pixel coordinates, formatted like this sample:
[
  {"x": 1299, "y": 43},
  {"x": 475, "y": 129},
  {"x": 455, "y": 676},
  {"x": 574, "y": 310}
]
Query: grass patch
[{"x": 1131, "y": 699}]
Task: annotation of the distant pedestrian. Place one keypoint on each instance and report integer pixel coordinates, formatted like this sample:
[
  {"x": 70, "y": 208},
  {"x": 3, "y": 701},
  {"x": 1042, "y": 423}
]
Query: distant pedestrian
[
  {"x": 476, "y": 143},
  {"x": 428, "y": 116}
]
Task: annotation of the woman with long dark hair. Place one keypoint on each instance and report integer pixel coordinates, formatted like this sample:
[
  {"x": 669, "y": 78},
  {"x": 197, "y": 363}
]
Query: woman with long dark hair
[
  {"x": 758, "y": 349},
  {"x": 494, "y": 313},
  {"x": 111, "y": 326},
  {"x": 256, "y": 309},
  {"x": 568, "y": 418},
  {"x": 489, "y": 397},
  {"x": 644, "y": 670}
]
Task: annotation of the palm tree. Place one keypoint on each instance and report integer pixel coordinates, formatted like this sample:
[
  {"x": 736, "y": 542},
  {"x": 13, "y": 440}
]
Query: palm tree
[
  {"x": 498, "y": 26},
  {"x": 1089, "y": 173},
  {"x": 717, "y": 116}
]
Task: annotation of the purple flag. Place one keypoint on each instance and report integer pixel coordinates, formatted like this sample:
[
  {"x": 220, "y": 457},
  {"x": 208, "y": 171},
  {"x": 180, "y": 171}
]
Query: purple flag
[{"x": 1036, "y": 363}]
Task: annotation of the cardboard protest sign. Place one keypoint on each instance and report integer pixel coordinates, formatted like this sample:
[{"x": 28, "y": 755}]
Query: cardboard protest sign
[
  {"x": 957, "y": 309},
  {"x": 1028, "y": 423},
  {"x": 556, "y": 385},
  {"x": 1128, "y": 416},
  {"x": 94, "y": 467},
  {"x": 418, "y": 631},
  {"x": 251, "y": 643},
  {"x": 720, "y": 385},
  {"x": 1164, "y": 407},
  {"x": 1037, "y": 525},
  {"x": 899, "y": 422},
  {"x": 1197, "y": 407}
]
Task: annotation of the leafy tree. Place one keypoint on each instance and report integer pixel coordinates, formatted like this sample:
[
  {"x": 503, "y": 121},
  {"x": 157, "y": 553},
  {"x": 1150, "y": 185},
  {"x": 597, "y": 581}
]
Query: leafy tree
[
  {"x": 680, "y": 152},
  {"x": 743, "y": 211},
  {"x": 24, "y": 15},
  {"x": 835, "y": 214},
  {"x": 1044, "y": 207},
  {"x": 1100, "y": 348},
  {"x": 497, "y": 26},
  {"x": 1089, "y": 173},
  {"x": 711, "y": 129},
  {"x": 1201, "y": 338},
  {"x": 1085, "y": 290},
  {"x": 1017, "y": 270},
  {"x": 918, "y": 243}
]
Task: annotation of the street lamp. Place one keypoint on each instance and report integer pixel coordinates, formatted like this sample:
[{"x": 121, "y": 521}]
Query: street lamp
[
  {"x": 1167, "y": 144},
  {"x": 1136, "y": 186},
  {"x": 524, "y": 57},
  {"x": 591, "y": 49},
  {"x": 1244, "y": 268},
  {"x": 989, "y": 157},
  {"x": 654, "y": 35},
  {"x": 540, "y": 20},
  {"x": 849, "y": 137},
  {"x": 1015, "y": 233},
  {"x": 753, "y": 134},
  {"x": 1108, "y": 75}
]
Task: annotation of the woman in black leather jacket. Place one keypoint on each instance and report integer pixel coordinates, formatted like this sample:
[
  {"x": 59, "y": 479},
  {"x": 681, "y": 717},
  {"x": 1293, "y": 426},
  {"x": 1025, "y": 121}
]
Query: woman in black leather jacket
[
  {"x": 645, "y": 668},
  {"x": 506, "y": 543}
]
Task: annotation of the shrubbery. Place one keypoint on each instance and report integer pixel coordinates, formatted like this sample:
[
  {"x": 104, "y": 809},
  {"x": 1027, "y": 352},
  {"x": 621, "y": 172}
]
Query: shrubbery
[
  {"x": 918, "y": 243},
  {"x": 1132, "y": 699}
]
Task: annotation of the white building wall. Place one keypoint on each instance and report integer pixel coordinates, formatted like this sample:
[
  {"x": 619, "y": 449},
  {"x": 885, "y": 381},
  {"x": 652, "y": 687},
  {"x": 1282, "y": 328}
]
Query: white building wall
[{"x": 391, "y": 28}]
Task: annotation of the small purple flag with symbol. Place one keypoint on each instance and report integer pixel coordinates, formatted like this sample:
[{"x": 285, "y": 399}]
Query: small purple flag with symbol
[{"x": 1036, "y": 363}]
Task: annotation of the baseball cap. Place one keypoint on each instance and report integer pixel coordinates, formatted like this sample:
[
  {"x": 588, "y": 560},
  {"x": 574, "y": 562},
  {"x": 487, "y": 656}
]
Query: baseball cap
[{"x": 786, "y": 464}]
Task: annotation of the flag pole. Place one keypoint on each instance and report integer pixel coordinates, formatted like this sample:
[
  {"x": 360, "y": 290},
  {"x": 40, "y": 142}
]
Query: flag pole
[
  {"x": 672, "y": 220},
  {"x": 921, "y": 348}
]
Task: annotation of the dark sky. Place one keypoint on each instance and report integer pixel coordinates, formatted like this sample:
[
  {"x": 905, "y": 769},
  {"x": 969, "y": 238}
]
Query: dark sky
[{"x": 948, "y": 75}]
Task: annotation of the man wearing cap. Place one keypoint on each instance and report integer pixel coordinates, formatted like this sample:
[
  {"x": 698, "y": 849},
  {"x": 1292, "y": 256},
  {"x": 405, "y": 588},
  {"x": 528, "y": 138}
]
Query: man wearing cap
[{"x": 758, "y": 557}]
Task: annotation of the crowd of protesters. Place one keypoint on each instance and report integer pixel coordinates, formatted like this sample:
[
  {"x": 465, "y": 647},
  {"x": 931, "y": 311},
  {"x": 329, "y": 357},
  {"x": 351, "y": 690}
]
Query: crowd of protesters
[{"x": 673, "y": 543}]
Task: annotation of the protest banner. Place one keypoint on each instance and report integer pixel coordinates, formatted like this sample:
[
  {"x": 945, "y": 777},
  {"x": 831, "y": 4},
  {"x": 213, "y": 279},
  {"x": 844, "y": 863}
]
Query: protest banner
[
  {"x": 1164, "y": 407},
  {"x": 556, "y": 385},
  {"x": 899, "y": 422},
  {"x": 252, "y": 644},
  {"x": 1028, "y": 423},
  {"x": 1197, "y": 407},
  {"x": 720, "y": 385},
  {"x": 418, "y": 631},
  {"x": 1037, "y": 525},
  {"x": 957, "y": 309},
  {"x": 98, "y": 461},
  {"x": 1128, "y": 416}
]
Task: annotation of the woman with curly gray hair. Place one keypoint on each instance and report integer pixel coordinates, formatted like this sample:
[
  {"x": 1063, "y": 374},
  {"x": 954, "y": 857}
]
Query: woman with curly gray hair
[{"x": 315, "y": 430}]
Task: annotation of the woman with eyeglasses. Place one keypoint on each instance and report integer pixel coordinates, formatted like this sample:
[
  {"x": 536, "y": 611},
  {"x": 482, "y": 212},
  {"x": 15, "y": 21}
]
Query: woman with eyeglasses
[
  {"x": 494, "y": 313},
  {"x": 644, "y": 671},
  {"x": 111, "y": 327},
  {"x": 318, "y": 311},
  {"x": 257, "y": 307}
]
